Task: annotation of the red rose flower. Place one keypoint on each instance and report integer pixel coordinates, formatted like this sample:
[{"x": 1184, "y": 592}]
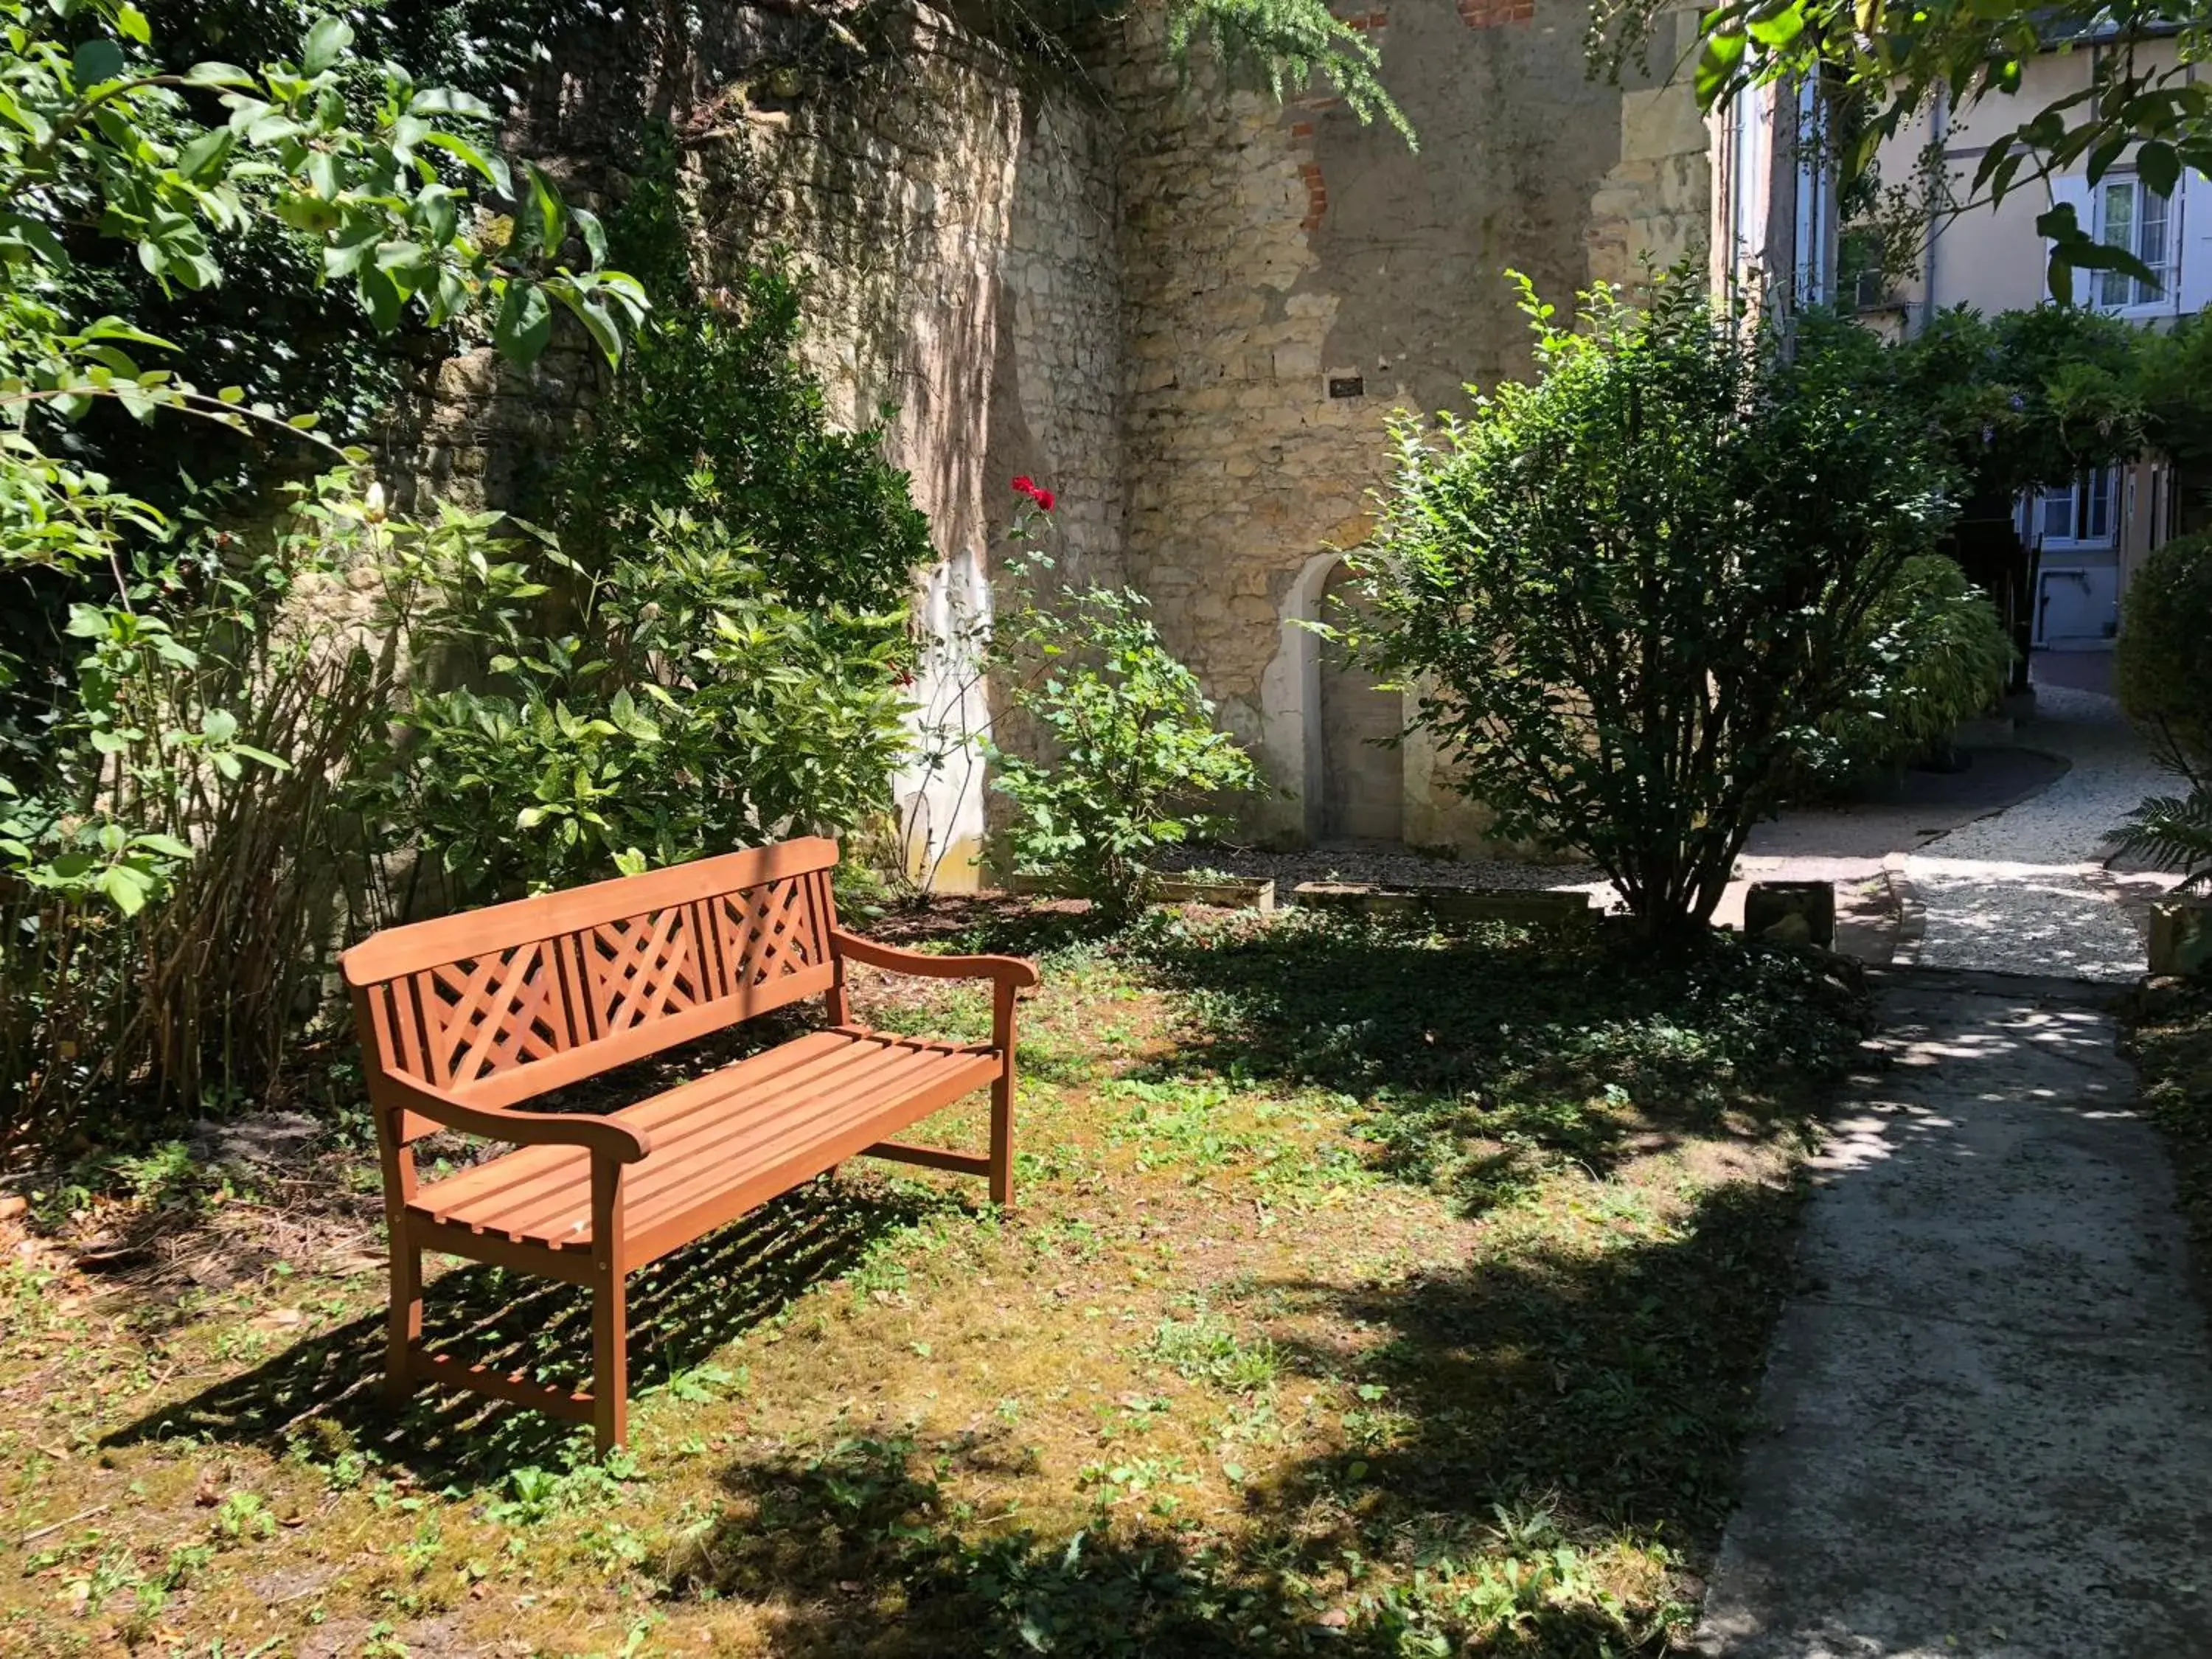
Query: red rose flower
[
  {"x": 1026, "y": 485},
  {"x": 1043, "y": 498}
]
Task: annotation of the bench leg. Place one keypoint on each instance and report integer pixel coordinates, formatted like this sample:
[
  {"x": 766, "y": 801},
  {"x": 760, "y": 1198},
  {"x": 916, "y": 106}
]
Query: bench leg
[
  {"x": 404, "y": 1326},
  {"x": 610, "y": 1366},
  {"x": 1002, "y": 1138},
  {"x": 609, "y": 1317},
  {"x": 1002, "y": 1096}
]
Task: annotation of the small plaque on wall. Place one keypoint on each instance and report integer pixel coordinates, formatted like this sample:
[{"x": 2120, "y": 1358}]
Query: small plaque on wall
[{"x": 1347, "y": 386}]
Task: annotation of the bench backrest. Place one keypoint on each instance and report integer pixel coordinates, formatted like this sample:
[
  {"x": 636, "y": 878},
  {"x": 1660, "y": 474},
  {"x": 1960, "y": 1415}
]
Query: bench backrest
[{"x": 504, "y": 1003}]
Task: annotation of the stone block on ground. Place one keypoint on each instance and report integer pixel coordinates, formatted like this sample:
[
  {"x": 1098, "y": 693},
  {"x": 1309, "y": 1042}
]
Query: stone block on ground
[
  {"x": 2181, "y": 936},
  {"x": 1228, "y": 892},
  {"x": 1791, "y": 912}
]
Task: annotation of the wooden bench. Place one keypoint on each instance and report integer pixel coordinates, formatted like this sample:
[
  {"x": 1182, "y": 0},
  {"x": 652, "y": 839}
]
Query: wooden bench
[{"x": 464, "y": 1019}]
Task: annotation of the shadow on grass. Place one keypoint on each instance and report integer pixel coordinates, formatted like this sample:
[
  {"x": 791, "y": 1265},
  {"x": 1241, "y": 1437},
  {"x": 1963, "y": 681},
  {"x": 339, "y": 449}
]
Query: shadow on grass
[
  {"x": 1539, "y": 1404},
  {"x": 995, "y": 922},
  {"x": 1479, "y": 1058},
  {"x": 323, "y": 1396}
]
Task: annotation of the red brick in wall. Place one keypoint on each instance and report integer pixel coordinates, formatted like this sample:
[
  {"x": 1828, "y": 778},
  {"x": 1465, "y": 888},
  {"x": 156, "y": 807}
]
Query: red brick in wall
[
  {"x": 1490, "y": 14},
  {"x": 1317, "y": 194}
]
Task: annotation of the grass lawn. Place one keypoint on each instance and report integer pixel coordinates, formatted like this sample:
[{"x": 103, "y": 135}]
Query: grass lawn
[{"x": 1374, "y": 1291}]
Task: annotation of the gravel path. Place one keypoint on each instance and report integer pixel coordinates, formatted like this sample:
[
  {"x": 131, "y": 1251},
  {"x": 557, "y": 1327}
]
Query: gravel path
[{"x": 2025, "y": 890}]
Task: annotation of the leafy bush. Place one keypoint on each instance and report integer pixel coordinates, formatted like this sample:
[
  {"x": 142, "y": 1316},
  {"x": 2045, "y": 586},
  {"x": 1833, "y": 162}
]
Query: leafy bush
[
  {"x": 2162, "y": 668},
  {"x": 690, "y": 709},
  {"x": 715, "y": 415},
  {"x": 1631, "y": 592},
  {"x": 172, "y": 862},
  {"x": 2012, "y": 401},
  {"x": 713, "y": 652},
  {"x": 2162, "y": 661},
  {"x": 1129, "y": 752},
  {"x": 1941, "y": 656},
  {"x": 168, "y": 753}
]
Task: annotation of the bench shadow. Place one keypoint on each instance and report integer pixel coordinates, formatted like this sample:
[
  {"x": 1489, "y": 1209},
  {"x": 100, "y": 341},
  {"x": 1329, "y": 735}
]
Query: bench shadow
[
  {"x": 324, "y": 1395},
  {"x": 1543, "y": 1406},
  {"x": 1482, "y": 1054}
]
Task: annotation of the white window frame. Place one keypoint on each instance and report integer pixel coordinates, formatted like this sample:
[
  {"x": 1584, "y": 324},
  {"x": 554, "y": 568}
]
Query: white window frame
[
  {"x": 2078, "y": 495},
  {"x": 2140, "y": 301}
]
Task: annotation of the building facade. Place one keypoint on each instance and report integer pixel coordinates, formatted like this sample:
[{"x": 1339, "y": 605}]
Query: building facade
[{"x": 2085, "y": 535}]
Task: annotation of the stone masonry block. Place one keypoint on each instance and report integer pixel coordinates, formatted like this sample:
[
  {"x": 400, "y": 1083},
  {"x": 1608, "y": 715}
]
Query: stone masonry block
[{"x": 1791, "y": 912}]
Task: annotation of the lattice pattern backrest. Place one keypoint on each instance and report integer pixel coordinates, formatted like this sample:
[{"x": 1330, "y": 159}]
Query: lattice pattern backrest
[{"x": 697, "y": 956}]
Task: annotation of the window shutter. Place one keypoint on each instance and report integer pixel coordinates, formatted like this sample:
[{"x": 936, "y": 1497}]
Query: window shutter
[
  {"x": 2192, "y": 243},
  {"x": 2074, "y": 190}
]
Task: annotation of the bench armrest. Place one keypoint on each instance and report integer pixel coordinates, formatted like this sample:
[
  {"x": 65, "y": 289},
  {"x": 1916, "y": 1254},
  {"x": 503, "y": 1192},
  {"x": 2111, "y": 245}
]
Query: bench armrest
[
  {"x": 1001, "y": 970},
  {"x": 599, "y": 1135}
]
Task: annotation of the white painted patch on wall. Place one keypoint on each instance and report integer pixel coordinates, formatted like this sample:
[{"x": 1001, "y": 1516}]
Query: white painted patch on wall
[{"x": 940, "y": 791}]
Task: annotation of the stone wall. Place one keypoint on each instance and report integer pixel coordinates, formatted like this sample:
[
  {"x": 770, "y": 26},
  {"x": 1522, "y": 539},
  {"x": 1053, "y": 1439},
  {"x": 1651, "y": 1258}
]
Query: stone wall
[
  {"x": 1187, "y": 310},
  {"x": 1291, "y": 276},
  {"x": 951, "y": 220}
]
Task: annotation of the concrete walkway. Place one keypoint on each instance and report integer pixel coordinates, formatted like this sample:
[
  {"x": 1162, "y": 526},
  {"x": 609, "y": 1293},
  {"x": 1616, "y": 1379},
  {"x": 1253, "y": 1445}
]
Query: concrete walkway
[{"x": 1989, "y": 1408}]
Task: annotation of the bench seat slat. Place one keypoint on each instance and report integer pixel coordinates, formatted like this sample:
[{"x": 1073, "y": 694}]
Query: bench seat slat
[
  {"x": 705, "y": 1114},
  {"x": 787, "y": 1166},
  {"x": 886, "y": 1088},
  {"x": 663, "y": 1116},
  {"x": 743, "y": 1131}
]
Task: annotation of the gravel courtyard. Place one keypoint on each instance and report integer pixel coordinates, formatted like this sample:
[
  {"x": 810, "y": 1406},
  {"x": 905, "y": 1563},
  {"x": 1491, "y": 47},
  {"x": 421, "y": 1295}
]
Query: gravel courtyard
[{"x": 2000, "y": 868}]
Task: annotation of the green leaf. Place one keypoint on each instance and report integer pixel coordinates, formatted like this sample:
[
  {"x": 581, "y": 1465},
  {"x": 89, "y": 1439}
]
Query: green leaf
[
  {"x": 126, "y": 887},
  {"x": 552, "y": 212},
  {"x": 37, "y": 237},
  {"x": 525, "y": 324},
  {"x": 204, "y": 156},
  {"x": 1779, "y": 28},
  {"x": 326, "y": 44},
  {"x": 2158, "y": 166},
  {"x": 1717, "y": 67},
  {"x": 384, "y": 300},
  {"x": 491, "y": 168},
  {"x": 131, "y": 23},
  {"x": 594, "y": 234},
  {"x": 598, "y": 325},
  {"x": 97, "y": 61},
  {"x": 218, "y": 75},
  {"x": 451, "y": 101}
]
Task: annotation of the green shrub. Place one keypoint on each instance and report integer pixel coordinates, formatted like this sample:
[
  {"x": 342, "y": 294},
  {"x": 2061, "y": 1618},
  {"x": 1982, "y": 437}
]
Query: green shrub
[
  {"x": 170, "y": 871},
  {"x": 1939, "y": 655},
  {"x": 2162, "y": 669},
  {"x": 1128, "y": 754},
  {"x": 713, "y": 414},
  {"x": 1632, "y": 591},
  {"x": 713, "y": 652},
  {"x": 2162, "y": 663},
  {"x": 690, "y": 710}
]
